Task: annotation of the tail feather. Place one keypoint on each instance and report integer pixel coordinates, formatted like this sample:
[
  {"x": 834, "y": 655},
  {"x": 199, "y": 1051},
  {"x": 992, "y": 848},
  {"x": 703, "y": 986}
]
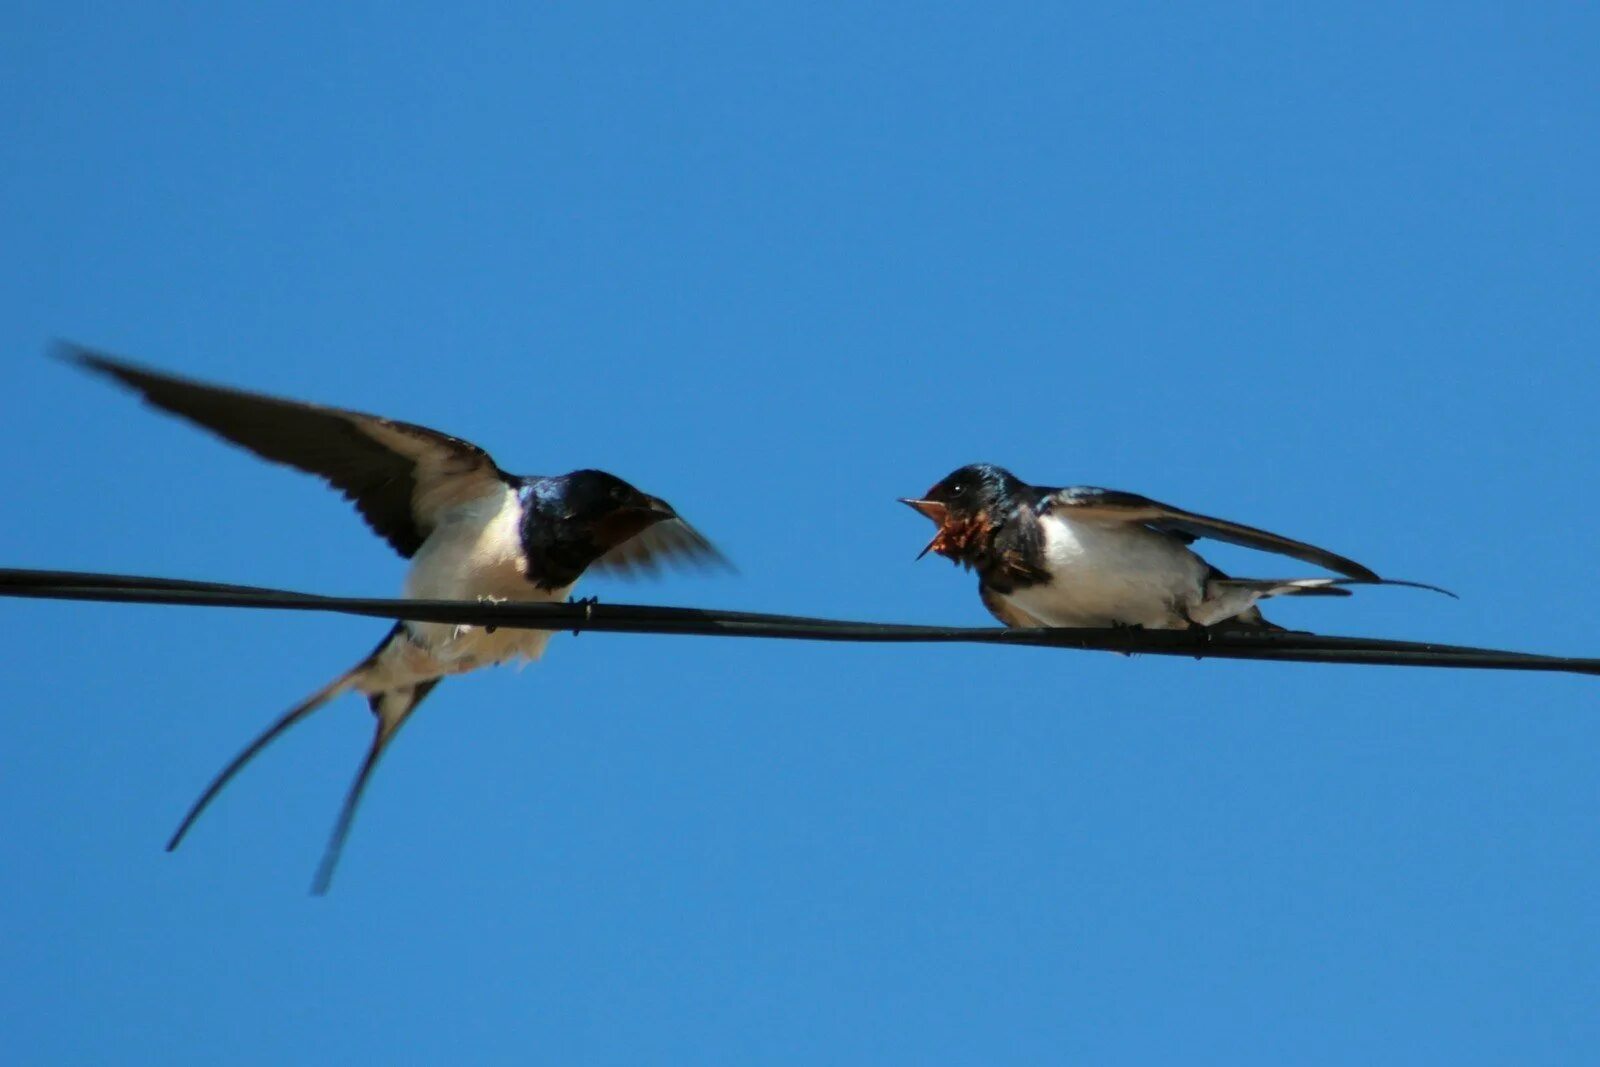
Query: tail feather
[
  {"x": 1266, "y": 587},
  {"x": 338, "y": 687},
  {"x": 1231, "y": 602},
  {"x": 294, "y": 715},
  {"x": 392, "y": 709}
]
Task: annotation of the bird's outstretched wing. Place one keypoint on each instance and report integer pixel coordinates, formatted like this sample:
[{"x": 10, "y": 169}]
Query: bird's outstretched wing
[
  {"x": 1111, "y": 505},
  {"x": 400, "y": 476},
  {"x": 668, "y": 541}
]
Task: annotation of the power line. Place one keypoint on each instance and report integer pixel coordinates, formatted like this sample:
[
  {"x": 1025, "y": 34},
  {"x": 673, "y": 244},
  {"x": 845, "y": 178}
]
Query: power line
[{"x": 710, "y": 622}]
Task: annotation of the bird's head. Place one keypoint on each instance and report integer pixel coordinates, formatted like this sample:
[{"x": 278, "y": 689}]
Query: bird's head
[
  {"x": 967, "y": 506},
  {"x": 608, "y": 509},
  {"x": 590, "y": 518}
]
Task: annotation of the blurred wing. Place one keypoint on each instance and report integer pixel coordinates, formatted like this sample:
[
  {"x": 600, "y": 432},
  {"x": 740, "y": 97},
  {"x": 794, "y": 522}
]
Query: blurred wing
[
  {"x": 668, "y": 541},
  {"x": 400, "y": 476},
  {"x": 1110, "y": 505}
]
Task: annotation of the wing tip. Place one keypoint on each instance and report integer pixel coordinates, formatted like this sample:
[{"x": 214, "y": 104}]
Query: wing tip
[
  {"x": 711, "y": 558},
  {"x": 65, "y": 351},
  {"x": 1352, "y": 569},
  {"x": 95, "y": 361}
]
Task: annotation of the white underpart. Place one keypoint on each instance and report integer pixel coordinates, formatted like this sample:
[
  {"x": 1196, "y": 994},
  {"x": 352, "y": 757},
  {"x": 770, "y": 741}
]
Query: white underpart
[
  {"x": 474, "y": 553},
  {"x": 1111, "y": 573}
]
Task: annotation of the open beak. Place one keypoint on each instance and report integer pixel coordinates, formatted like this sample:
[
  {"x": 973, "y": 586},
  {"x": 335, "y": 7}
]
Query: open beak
[{"x": 933, "y": 510}]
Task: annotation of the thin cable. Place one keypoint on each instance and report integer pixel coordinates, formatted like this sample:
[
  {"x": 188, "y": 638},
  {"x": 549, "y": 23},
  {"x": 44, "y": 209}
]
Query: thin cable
[{"x": 704, "y": 622}]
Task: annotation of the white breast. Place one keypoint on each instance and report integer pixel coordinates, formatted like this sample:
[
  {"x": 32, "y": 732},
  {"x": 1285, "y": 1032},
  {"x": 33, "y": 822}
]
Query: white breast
[
  {"x": 474, "y": 553},
  {"x": 1112, "y": 573}
]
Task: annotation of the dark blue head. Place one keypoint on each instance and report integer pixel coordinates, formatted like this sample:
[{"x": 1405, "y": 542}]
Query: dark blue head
[
  {"x": 599, "y": 498},
  {"x": 977, "y": 487},
  {"x": 968, "y": 505},
  {"x": 571, "y": 520}
]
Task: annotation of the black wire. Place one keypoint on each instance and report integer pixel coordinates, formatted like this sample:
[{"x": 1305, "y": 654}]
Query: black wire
[{"x": 703, "y": 622}]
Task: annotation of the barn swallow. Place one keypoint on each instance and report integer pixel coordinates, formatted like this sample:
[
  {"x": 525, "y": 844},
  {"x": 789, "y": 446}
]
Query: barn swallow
[
  {"x": 471, "y": 530},
  {"x": 1090, "y": 557}
]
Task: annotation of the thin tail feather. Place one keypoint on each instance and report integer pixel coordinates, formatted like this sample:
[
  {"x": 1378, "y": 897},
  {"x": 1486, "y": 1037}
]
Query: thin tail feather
[
  {"x": 1267, "y": 587},
  {"x": 296, "y": 714},
  {"x": 1319, "y": 586},
  {"x": 1410, "y": 585},
  {"x": 392, "y": 709},
  {"x": 1225, "y": 597}
]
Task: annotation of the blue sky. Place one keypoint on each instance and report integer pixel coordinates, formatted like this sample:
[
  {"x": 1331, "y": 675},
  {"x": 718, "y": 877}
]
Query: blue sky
[{"x": 1331, "y": 271}]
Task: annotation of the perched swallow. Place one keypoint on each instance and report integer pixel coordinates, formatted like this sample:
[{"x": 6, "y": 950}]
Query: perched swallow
[
  {"x": 471, "y": 530},
  {"x": 1090, "y": 557}
]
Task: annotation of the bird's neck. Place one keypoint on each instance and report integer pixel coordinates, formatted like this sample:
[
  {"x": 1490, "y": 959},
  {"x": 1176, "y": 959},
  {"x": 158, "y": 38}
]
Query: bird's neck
[
  {"x": 1007, "y": 552},
  {"x": 558, "y": 548}
]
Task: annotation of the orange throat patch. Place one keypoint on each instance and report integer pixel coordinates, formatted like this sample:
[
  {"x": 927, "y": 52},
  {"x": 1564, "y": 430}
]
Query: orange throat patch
[{"x": 962, "y": 541}]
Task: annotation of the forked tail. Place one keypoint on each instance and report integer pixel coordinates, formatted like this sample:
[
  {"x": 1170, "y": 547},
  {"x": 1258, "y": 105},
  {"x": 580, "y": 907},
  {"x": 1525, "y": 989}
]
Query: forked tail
[
  {"x": 338, "y": 687},
  {"x": 1232, "y": 601},
  {"x": 391, "y": 708}
]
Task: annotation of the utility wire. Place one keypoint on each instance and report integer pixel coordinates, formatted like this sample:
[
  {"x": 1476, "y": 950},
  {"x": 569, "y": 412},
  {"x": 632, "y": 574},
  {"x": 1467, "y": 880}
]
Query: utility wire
[{"x": 709, "y": 622}]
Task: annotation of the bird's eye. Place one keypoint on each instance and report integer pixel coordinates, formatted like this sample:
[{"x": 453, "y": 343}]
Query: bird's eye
[{"x": 957, "y": 489}]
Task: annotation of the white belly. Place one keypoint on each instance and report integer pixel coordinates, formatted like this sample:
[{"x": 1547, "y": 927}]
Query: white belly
[
  {"x": 473, "y": 554},
  {"x": 1113, "y": 574}
]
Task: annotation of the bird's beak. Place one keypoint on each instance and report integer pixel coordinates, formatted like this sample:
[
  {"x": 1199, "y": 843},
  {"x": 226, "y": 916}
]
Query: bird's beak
[
  {"x": 933, "y": 510},
  {"x": 631, "y": 518},
  {"x": 654, "y": 505}
]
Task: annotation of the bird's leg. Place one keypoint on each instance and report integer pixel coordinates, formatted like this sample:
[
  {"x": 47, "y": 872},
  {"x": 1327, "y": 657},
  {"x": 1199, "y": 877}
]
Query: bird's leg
[
  {"x": 1127, "y": 627},
  {"x": 487, "y": 598},
  {"x": 464, "y": 629},
  {"x": 587, "y": 603},
  {"x": 1200, "y": 631}
]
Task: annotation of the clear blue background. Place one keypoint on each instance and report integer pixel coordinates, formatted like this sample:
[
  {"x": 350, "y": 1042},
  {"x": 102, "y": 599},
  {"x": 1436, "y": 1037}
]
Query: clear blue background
[{"x": 1329, "y": 269}]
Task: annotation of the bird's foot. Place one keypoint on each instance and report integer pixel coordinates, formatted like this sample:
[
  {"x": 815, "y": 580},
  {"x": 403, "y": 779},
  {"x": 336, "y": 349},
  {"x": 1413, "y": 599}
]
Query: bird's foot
[
  {"x": 467, "y": 629},
  {"x": 1199, "y": 631},
  {"x": 587, "y": 604},
  {"x": 485, "y": 598},
  {"x": 1127, "y": 627}
]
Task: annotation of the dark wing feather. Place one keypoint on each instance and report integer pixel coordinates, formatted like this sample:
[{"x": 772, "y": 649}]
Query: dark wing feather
[
  {"x": 400, "y": 476},
  {"x": 668, "y": 541},
  {"x": 1112, "y": 505}
]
